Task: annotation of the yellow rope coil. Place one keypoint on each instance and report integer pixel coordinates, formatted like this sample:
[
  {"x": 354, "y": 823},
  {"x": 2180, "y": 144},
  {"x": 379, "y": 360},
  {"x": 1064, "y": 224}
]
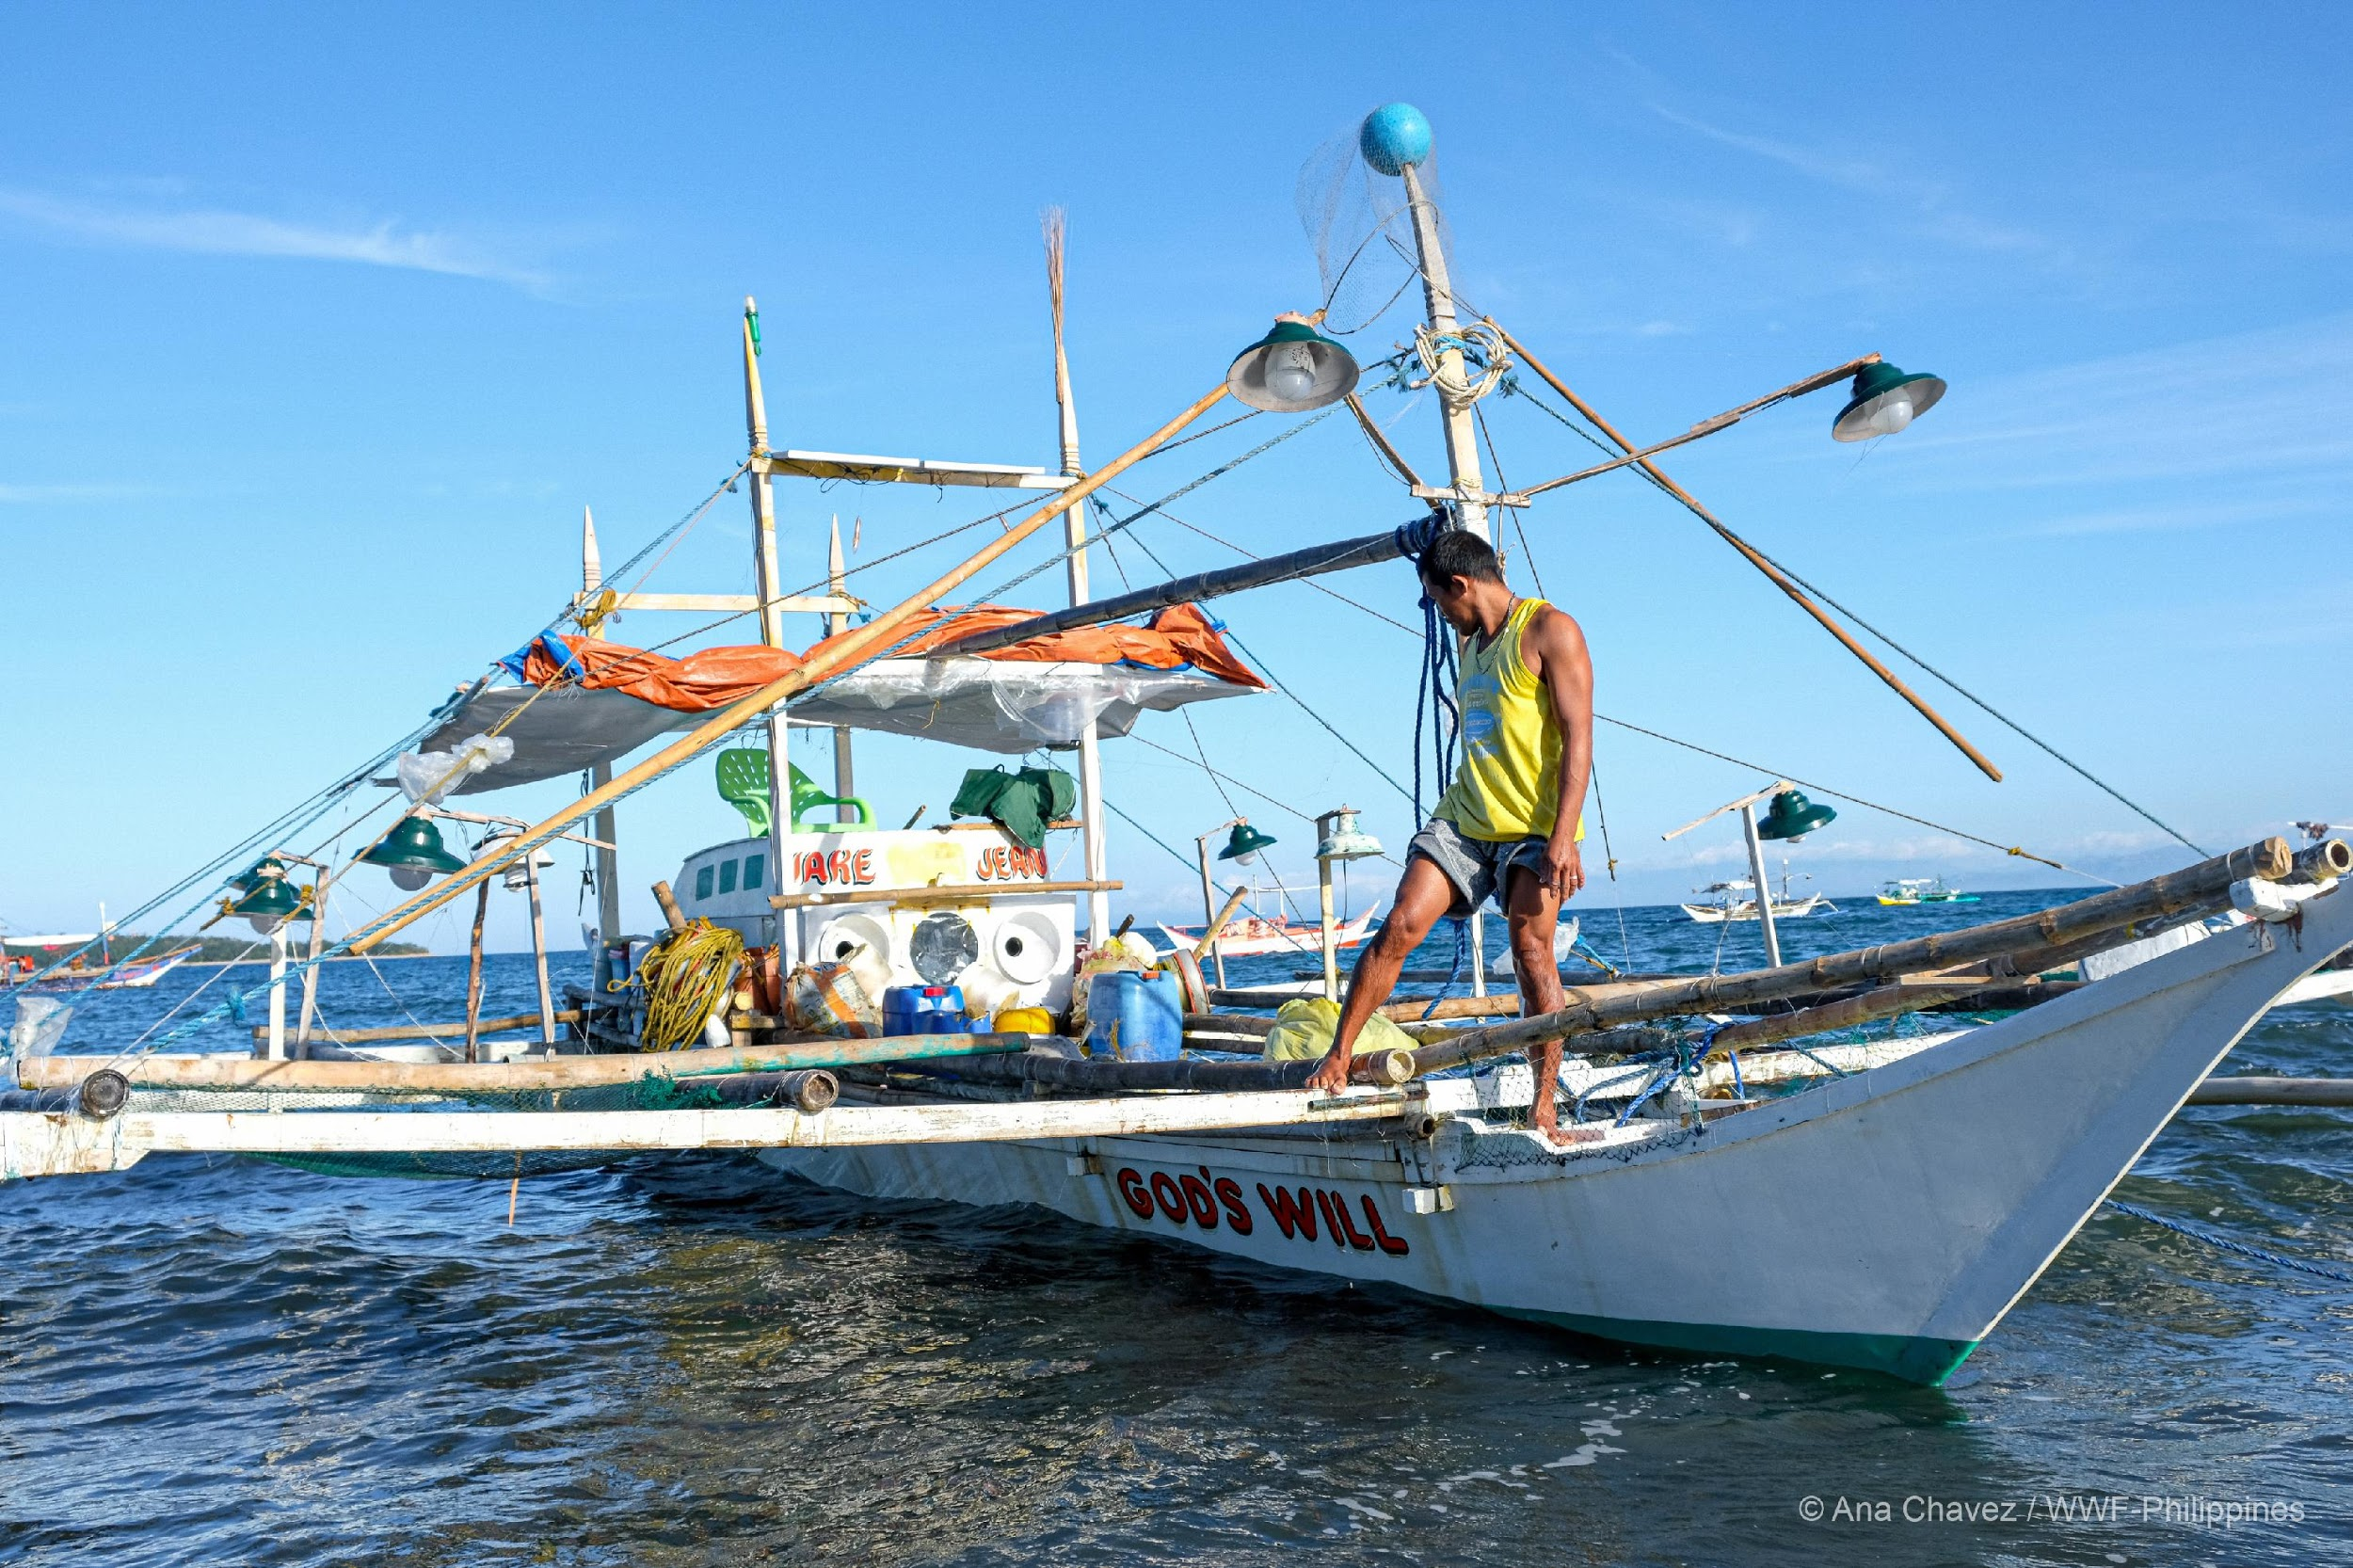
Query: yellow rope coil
[{"x": 684, "y": 975}]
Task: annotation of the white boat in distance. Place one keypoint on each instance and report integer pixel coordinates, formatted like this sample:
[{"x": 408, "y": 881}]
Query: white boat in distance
[
  {"x": 1736, "y": 901},
  {"x": 1252, "y": 938}
]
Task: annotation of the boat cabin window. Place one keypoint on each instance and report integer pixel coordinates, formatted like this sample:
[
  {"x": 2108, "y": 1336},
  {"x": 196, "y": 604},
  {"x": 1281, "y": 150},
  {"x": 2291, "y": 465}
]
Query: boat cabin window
[
  {"x": 727, "y": 876},
  {"x": 753, "y": 866},
  {"x": 702, "y": 883}
]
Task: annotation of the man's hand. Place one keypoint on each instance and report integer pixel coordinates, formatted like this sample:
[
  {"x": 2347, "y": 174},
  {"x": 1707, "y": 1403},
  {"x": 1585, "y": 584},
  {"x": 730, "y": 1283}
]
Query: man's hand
[
  {"x": 1331, "y": 1074},
  {"x": 1564, "y": 868}
]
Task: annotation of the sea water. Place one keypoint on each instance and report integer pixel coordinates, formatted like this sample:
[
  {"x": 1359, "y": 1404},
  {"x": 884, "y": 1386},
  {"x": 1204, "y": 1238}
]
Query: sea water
[{"x": 691, "y": 1359}]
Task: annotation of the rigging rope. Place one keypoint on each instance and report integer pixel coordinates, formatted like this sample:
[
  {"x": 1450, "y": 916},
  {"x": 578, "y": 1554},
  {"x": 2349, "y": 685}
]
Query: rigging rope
[
  {"x": 2226, "y": 1245},
  {"x": 1512, "y": 387}
]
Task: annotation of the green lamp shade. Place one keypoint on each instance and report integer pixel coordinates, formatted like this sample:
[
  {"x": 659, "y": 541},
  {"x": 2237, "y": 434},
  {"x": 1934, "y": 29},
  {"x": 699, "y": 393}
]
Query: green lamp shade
[
  {"x": 270, "y": 904},
  {"x": 1244, "y": 842},
  {"x": 1883, "y": 401},
  {"x": 1292, "y": 370},
  {"x": 1793, "y": 816},
  {"x": 415, "y": 845}
]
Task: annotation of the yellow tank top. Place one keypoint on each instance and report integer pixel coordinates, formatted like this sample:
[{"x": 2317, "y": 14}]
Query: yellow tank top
[{"x": 1509, "y": 783}]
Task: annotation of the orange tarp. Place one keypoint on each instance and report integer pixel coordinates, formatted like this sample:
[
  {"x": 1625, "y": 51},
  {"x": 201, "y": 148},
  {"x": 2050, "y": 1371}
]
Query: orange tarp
[{"x": 717, "y": 676}]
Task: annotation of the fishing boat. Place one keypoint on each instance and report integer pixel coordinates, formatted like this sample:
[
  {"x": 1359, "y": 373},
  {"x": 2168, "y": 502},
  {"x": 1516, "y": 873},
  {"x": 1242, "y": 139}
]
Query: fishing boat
[
  {"x": 1878, "y": 1207},
  {"x": 1735, "y": 899},
  {"x": 1908, "y": 890},
  {"x": 21, "y": 967},
  {"x": 1254, "y": 936}
]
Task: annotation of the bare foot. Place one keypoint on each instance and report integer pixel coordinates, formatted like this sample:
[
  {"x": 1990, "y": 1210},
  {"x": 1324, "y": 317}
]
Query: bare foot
[{"x": 1331, "y": 1074}]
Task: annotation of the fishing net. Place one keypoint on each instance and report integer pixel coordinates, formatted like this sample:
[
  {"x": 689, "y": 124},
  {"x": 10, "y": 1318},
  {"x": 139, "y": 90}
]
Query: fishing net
[{"x": 1362, "y": 233}]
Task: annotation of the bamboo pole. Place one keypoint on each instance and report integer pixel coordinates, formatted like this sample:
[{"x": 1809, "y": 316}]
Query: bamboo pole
[
  {"x": 2274, "y": 1090},
  {"x": 560, "y": 1072},
  {"x": 1725, "y": 420},
  {"x": 434, "y": 1032},
  {"x": 856, "y": 648},
  {"x": 2201, "y": 885},
  {"x": 473, "y": 973},
  {"x": 540, "y": 949},
  {"x": 33, "y": 1136},
  {"x": 1778, "y": 579},
  {"x": 1216, "y": 928}
]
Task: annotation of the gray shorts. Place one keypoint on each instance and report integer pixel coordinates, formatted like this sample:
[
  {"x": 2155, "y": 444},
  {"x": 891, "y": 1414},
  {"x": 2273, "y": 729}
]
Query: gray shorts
[{"x": 1477, "y": 866}]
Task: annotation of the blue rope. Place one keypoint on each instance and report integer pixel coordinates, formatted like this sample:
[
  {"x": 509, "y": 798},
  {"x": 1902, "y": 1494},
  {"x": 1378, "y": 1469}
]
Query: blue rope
[
  {"x": 2226, "y": 1245},
  {"x": 1434, "y": 694}
]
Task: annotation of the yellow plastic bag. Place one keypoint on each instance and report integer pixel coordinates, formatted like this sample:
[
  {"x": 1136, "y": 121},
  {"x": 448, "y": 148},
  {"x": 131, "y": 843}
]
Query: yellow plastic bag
[{"x": 1303, "y": 1030}]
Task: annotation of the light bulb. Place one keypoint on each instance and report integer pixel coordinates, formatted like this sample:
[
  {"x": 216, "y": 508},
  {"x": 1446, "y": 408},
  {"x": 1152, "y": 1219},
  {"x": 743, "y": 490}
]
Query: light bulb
[
  {"x": 1891, "y": 416},
  {"x": 264, "y": 924},
  {"x": 409, "y": 878},
  {"x": 1246, "y": 859},
  {"x": 1290, "y": 371}
]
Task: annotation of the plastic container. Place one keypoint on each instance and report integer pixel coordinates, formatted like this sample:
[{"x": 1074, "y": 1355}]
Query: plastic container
[
  {"x": 1023, "y": 1020},
  {"x": 922, "y": 1010},
  {"x": 1136, "y": 1018}
]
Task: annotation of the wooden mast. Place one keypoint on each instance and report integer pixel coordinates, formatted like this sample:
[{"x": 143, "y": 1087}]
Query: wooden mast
[
  {"x": 608, "y": 861},
  {"x": 1462, "y": 439},
  {"x": 844, "y": 770},
  {"x": 770, "y": 620},
  {"x": 1074, "y": 536},
  {"x": 1461, "y": 435}
]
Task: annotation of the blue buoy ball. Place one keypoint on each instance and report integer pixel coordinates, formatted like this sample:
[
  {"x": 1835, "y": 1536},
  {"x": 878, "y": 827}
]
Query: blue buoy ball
[{"x": 1395, "y": 134}]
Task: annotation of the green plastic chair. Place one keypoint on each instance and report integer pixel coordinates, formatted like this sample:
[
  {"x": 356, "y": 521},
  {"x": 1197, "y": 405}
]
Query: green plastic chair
[{"x": 744, "y": 784}]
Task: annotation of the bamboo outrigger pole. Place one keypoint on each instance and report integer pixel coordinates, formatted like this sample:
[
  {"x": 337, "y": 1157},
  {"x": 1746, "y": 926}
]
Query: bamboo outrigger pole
[
  {"x": 1779, "y": 579},
  {"x": 855, "y": 649}
]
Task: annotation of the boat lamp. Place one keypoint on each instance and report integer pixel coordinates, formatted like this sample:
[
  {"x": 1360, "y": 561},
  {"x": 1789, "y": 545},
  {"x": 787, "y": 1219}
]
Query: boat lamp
[
  {"x": 1293, "y": 370},
  {"x": 270, "y": 904},
  {"x": 414, "y": 854},
  {"x": 1346, "y": 840},
  {"x": 1883, "y": 401},
  {"x": 1243, "y": 844},
  {"x": 1792, "y": 816}
]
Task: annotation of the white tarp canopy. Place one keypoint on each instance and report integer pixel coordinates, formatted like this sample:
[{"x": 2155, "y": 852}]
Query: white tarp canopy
[{"x": 1002, "y": 704}]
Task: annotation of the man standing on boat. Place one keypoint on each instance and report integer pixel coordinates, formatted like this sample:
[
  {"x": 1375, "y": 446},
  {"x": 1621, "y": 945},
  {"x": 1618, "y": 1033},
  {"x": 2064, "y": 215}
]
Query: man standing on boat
[{"x": 1509, "y": 824}]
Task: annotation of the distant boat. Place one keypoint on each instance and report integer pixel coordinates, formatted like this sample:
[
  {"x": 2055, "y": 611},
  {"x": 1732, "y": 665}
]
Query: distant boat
[
  {"x": 1736, "y": 901},
  {"x": 1922, "y": 890},
  {"x": 1253, "y": 937},
  {"x": 16, "y": 968}
]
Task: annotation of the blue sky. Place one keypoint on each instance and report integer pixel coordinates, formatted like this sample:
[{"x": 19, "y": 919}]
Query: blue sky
[{"x": 321, "y": 333}]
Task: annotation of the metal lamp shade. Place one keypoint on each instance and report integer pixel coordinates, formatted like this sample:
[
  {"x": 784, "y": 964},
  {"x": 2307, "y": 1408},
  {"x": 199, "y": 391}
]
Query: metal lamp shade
[
  {"x": 1793, "y": 816},
  {"x": 1346, "y": 841},
  {"x": 1333, "y": 368},
  {"x": 1875, "y": 387},
  {"x": 1244, "y": 842},
  {"x": 415, "y": 845},
  {"x": 270, "y": 904}
]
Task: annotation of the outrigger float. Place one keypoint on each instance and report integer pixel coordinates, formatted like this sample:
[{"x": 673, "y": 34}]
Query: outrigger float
[{"x": 1706, "y": 1121}]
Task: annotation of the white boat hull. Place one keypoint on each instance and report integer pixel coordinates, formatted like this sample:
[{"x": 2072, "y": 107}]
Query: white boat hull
[
  {"x": 1716, "y": 914},
  {"x": 1886, "y": 1220}
]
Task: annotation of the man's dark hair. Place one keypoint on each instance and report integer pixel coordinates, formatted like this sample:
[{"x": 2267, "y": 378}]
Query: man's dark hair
[{"x": 1460, "y": 552}]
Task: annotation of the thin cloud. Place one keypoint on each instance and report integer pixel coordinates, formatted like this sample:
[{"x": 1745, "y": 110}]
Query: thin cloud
[
  {"x": 1928, "y": 197},
  {"x": 2268, "y": 404},
  {"x": 34, "y": 495},
  {"x": 218, "y": 232}
]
